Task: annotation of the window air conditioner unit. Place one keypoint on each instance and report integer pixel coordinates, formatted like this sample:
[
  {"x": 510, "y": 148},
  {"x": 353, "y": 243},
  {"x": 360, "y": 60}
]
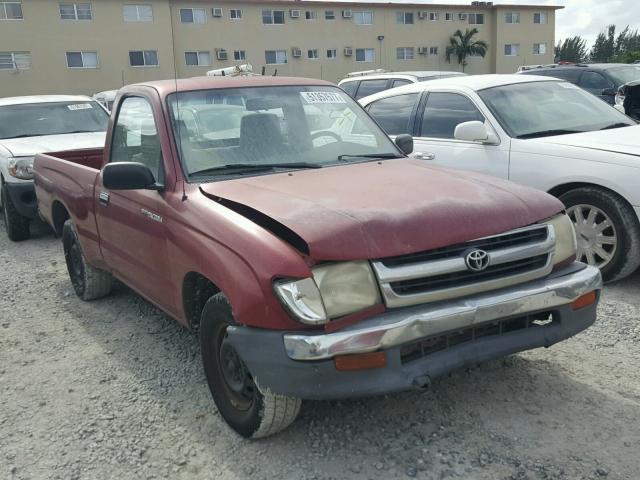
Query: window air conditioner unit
[
  {"x": 347, "y": 14},
  {"x": 221, "y": 54},
  {"x": 216, "y": 12},
  {"x": 348, "y": 51},
  {"x": 462, "y": 16},
  {"x": 422, "y": 50},
  {"x": 296, "y": 52},
  {"x": 422, "y": 15},
  {"x": 294, "y": 13}
]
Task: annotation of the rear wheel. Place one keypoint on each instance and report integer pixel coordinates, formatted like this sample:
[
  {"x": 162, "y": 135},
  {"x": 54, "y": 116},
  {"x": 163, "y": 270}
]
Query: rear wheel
[
  {"x": 607, "y": 231},
  {"x": 16, "y": 226},
  {"x": 250, "y": 410}
]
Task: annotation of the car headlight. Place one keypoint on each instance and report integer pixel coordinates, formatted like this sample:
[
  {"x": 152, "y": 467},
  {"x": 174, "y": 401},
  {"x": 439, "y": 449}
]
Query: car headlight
[
  {"x": 21, "y": 167},
  {"x": 335, "y": 290},
  {"x": 565, "y": 237}
]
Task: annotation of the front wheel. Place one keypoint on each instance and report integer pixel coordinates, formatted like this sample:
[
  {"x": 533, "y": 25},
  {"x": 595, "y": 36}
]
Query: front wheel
[
  {"x": 16, "y": 226},
  {"x": 250, "y": 410},
  {"x": 607, "y": 231}
]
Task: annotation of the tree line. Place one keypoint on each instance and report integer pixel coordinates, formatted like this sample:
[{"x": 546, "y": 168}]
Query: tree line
[{"x": 623, "y": 47}]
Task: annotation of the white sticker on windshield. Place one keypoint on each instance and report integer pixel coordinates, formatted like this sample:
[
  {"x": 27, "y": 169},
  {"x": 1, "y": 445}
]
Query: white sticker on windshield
[
  {"x": 567, "y": 85},
  {"x": 80, "y": 106},
  {"x": 323, "y": 97}
]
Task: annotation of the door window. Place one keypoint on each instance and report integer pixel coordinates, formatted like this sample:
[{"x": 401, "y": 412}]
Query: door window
[
  {"x": 350, "y": 88},
  {"x": 394, "y": 113},
  {"x": 594, "y": 82},
  {"x": 135, "y": 136},
  {"x": 369, "y": 87},
  {"x": 444, "y": 112},
  {"x": 399, "y": 82},
  {"x": 569, "y": 75}
]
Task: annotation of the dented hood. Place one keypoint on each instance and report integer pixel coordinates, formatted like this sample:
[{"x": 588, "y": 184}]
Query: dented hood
[{"x": 382, "y": 209}]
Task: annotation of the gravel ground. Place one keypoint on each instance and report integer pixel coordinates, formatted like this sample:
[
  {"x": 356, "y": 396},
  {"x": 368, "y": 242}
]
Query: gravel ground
[{"x": 115, "y": 389}]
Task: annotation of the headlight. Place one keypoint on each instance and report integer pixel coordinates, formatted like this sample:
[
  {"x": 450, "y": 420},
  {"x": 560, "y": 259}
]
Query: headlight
[
  {"x": 21, "y": 168},
  {"x": 565, "y": 237},
  {"x": 335, "y": 290}
]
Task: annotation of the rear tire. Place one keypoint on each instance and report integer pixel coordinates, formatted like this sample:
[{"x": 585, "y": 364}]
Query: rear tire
[
  {"x": 252, "y": 411},
  {"x": 16, "y": 226},
  {"x": 614, "y": 249},
  {"x": 89, "y": 282}
]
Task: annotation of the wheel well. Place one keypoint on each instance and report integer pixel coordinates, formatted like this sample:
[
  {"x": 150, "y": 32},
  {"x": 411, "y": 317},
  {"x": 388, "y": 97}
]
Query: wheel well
[
  {"x": 196, "y": 290},
  {"x": 59, "y": 215},
  {"x": 560, "y": 190}
]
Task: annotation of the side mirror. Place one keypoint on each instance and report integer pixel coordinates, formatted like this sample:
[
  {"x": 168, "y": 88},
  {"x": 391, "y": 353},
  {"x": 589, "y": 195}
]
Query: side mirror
[
  {"x": 405, "y": 143},
  {"x": 471, "y": 132},
  {"x": 128, "y": 176},
  {"x": 609, "y": 92}
]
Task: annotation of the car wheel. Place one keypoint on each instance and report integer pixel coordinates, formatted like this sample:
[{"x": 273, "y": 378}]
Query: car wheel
[
  {"x": 88, "y": 282},
  {"x": 16, "y": 226},
  {"x": 250, "y": 410},
  {"x": 607, "y": 231}
]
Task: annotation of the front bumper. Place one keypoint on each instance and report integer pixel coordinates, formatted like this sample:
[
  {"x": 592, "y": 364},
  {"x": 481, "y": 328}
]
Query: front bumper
[
  {"x": 302, "y": 365},
  {"x": 23, "y": 197}
]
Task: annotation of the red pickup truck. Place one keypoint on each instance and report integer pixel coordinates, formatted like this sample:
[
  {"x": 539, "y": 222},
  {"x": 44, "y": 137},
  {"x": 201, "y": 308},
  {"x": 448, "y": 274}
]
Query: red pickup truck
[{"x": 315, "y": 259}]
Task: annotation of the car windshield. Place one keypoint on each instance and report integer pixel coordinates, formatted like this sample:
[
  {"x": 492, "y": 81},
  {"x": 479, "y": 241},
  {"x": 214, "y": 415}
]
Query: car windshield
[
  {"x": 55, "y": 118},
  {"x": 265, "y": 128},
  {"x": 625, "y": 74},
  {"x": 537, "y": 109}
]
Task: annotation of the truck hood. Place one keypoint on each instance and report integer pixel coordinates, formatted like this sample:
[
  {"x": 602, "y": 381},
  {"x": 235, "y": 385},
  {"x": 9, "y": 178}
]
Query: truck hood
[
  {"x": 382, "y": 209},
  {"x": 29, "y": 146}
]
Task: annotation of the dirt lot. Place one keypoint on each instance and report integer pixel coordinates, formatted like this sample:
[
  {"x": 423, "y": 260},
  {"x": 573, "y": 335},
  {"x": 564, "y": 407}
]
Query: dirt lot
[{"x": 114, "y": 389}]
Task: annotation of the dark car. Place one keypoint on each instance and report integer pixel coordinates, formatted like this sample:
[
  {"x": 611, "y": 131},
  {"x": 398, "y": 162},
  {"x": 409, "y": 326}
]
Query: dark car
[
  {"x": 601, "y": 79},
  {"x": 628, "y": 99}
]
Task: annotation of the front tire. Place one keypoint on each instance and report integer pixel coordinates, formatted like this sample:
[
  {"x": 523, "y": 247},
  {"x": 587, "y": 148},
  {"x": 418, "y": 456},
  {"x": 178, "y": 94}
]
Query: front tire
[
  {"x": 607, "y": 230},
  {"x": 16, "y": 226},
  {"x": 250, "y": 410},
  {"x": 88, "y": 282}
]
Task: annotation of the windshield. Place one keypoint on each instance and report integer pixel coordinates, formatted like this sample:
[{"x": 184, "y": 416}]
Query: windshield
[
  {"x": 625, "y": 74},
  {"x": 57, "y": 118},
  {"x": 536, "y": 109},
  {"x": 222, "y": 132}
]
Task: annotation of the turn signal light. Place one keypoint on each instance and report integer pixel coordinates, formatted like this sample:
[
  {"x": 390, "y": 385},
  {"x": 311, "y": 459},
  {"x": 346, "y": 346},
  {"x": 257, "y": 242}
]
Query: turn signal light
[
  {"x": 584, "y": 301},
  {"x": 361, "y": 361}
]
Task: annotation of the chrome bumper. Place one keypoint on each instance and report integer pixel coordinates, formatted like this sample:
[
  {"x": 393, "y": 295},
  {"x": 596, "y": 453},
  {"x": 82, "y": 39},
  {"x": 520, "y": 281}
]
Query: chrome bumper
[{"x": 402, "y": 326}]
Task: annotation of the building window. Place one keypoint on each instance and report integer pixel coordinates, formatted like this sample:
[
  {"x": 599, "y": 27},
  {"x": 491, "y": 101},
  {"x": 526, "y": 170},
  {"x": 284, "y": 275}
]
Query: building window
[
  {"x": 363, "y": 18},
  {"x": 143, "y": 58},
  {"x": 433, "y": 50},
  {"x": 312, "y": 54},
  {"x": 433, "y": 16},
  {"x": 332, "y": 53},
  {"x": 405, "y": 53},
  {"x": 197, "y": 59},
  {"x": 273, "y": 17},
  {"x": 15, "y": 60},
  {"x": 75, "y": 11},
  {"x": 329, "y": 15},
  {"x": 235, "y": 14},
  {"x": 137, "y": 13},
  {"x": 193, "y": 15},
  {"x": 310, "y": 15},
  {"x": 365, "y": 55},
  {"x": 448, "y": 17},
  {"x": 476, "y": 18},
  {"x": 11, "y": 11},
  {"x": 239, "y": 55},
  {"x": 275, "y": 57},
  {"x": 512, "y": 17},
  {"x": 404, "y": 18},
  {"x": 511, "y": 49},
  {"x": 539, "y": 48},
  {"x": 541, "y": 18},
  {"x": 82, "y": 60}
]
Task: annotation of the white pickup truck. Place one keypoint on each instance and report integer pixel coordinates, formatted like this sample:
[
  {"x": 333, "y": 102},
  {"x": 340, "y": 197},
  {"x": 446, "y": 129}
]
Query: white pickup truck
[
  {"x": 539, "y": 131},
  {"x": 39, "y": 124}
]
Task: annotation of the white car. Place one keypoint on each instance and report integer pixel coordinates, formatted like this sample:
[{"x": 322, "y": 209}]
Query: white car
[
  {"x": 38, "y": 124},
  {"x": 538, "y": 131},
  {"x": 106, "y": 98}
]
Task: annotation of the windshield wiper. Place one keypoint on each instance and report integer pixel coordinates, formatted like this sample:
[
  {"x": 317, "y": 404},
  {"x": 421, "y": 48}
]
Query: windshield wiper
[
  {"x": 548, "y": 133},
  {"x": 615, "y": 125},
  {"x": 368, "y": 155},
  {"x": 253, "y": 167}
]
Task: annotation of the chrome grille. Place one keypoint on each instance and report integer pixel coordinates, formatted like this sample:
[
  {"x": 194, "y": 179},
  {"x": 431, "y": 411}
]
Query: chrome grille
[{"x": 514, "y": 257}]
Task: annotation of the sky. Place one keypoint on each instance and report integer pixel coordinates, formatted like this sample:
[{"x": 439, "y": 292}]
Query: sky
[{"x": 579, "y": 17}]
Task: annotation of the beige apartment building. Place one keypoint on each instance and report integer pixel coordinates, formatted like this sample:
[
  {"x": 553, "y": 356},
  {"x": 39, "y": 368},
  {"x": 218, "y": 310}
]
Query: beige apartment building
[{"x": 50, "y": 46}]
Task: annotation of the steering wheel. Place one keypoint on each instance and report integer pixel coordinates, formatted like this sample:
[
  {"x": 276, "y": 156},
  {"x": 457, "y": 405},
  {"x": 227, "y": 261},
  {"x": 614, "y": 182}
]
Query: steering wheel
[{"x": 325, "y": 133}]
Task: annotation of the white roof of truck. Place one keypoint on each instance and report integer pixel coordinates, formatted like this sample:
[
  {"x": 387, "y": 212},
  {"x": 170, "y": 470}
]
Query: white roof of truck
[{"x": 43, "y": 99}]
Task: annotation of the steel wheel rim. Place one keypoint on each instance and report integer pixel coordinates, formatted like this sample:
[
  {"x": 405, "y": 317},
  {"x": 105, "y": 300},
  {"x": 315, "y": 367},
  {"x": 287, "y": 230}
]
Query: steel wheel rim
[
  {"x": 596, "y": 235},
  {"x": 236, "y": 377}
]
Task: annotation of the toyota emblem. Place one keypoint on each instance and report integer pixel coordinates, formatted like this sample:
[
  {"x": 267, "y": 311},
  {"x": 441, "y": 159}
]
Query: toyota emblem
[{"x": 477, "y": 260}]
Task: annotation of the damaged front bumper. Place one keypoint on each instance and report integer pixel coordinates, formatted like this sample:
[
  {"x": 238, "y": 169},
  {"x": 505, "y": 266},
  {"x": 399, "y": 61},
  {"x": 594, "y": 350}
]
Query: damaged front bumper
[{"x": 421, "y": 342}]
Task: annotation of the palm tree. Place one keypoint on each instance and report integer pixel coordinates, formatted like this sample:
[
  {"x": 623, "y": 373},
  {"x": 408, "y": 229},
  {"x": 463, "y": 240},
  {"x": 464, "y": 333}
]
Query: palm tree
[{"x": 461, "y": 45}]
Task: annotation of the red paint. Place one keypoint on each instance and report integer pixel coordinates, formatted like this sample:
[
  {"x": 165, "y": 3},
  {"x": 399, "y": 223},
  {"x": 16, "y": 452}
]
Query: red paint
[{"x": 362, "y": 211}]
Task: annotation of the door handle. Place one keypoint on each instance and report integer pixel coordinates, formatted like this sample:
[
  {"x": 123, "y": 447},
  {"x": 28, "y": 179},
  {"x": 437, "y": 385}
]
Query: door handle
[
  {"x": 103, "y": 198},
  {"x": 424, "y": 156}
]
